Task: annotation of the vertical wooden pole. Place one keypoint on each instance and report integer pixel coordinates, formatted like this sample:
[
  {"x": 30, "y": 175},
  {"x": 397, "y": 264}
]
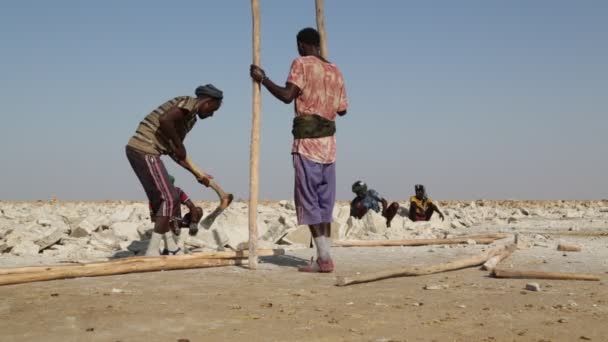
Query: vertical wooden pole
[
  {"x": 255, "y": 143},
  {"x": 321, "y": 27}
]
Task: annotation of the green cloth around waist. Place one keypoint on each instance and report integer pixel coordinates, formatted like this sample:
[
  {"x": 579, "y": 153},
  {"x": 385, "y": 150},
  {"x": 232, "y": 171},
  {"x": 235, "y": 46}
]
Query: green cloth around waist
[{"x": 312, "y": 126}]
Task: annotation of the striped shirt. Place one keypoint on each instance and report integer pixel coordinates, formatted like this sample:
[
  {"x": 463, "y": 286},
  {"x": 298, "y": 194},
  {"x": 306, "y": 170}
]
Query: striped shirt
[{"x": 148, "y": 137}]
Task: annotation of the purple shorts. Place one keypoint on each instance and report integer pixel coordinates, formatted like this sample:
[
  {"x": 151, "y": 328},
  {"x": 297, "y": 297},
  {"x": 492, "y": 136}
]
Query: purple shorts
[{"x": 314, "y": 191}]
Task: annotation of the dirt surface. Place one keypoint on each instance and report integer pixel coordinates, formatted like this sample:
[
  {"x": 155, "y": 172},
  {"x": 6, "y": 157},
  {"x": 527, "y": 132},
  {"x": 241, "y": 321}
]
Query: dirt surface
[{"x": 276, "y": 303}]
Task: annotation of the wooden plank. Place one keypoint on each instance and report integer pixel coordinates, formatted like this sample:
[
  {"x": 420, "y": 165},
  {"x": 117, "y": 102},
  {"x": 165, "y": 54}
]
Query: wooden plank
[
  {"x": 496, "y": 273},
  {"x": 145, "y": 265},
  {"x": 562, "y": 247},
  {"x": 135, "y": 260},
  {"x": 479, "y": 239}
]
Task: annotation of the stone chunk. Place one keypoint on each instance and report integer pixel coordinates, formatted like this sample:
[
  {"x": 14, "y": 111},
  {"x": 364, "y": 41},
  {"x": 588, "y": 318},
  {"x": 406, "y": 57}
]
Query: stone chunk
[
  {"x": 125, "y": 230},
  {"x": 435, "y": 287},
  {"x": 105, "y": 241},
  {"x": 301, "y": 235},
  {"x": 122, "y": 215},
  {"x": 533, "y": 287},
  {"x": 25, "y": 248},
  {"x": 83, "y": 229},
  {"x": 47, "y": 241}
]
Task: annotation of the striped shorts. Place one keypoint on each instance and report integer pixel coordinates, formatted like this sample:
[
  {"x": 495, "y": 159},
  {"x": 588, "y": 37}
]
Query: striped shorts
[{"x": 162, "y": 195}]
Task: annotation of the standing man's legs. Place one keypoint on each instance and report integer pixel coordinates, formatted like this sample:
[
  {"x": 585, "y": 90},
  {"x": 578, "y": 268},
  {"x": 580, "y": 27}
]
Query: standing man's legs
[
  {"x": 327, "y": 197},
  {"x": 312, "y": 209},
  {"x": 162, "y": 195}
]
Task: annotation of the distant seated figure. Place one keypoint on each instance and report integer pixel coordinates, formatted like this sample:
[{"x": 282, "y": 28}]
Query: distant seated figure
[
  {"x": 421, "y": 206},
  {"x": 370, "y": 199}
]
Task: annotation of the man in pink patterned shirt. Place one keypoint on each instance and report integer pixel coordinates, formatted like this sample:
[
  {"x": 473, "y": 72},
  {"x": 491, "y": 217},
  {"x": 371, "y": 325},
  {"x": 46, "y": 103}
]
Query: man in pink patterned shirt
[{"x": 317, "y": 86}]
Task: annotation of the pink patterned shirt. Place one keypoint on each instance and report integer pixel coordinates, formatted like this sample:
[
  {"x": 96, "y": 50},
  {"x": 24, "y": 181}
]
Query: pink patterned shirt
[{"x": 323, "y": 93}]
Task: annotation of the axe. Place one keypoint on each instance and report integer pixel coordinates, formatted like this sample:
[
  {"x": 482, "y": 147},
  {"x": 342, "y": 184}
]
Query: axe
[{"x": 225, "y": 198}]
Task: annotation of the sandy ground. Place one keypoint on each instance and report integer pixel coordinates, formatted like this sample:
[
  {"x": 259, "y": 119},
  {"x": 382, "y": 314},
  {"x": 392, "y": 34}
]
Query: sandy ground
[{"x": 276, "y": 303}]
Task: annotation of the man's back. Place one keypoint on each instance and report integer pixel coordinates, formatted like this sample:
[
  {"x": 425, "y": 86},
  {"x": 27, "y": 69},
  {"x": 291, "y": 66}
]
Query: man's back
[
  {"x": 322, "y": 87},
  {"x": 149, "y": 139},
  {"x": 322, "y": 93}
]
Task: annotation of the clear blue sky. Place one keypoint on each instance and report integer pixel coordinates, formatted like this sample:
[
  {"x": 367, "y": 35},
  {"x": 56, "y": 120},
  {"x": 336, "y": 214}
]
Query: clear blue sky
[{"x": 475, "y": 99}]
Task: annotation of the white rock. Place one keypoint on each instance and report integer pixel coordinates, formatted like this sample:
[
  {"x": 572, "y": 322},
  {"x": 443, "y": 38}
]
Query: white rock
[
  {"x": 435, "y": 287},
  {"x": 145, "y": 230},
  {"x": 471, "y": 242},
  {"x": 100, "y": 221},
  {"x": 533, "y": 287},
  {"x": 122, "y": 215},
  {"x": 456, "y": 224},
  {"x": 125, "y": 230},
  {"x": 51, "y": 238},
  {"x": 25, "y": 248},
  {"x": 212, "y": 239},
  {"x": 45, "y": 222},
  {"x": 374, "y": 222},
  {"x": 289, "y": 205},
  {"x": 234, "y": 225},
  {"x": 105, "y": 241},
  {"x": 83, "y": 229}
]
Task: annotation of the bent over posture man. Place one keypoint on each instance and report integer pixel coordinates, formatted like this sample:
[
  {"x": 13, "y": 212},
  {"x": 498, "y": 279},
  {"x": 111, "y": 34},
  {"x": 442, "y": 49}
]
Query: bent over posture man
[
  {"x": 318, "y": 89},
  {"x": 162, "y": 132}
]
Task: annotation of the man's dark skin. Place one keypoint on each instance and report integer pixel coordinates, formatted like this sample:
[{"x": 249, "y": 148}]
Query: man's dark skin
[
  {"x": 287, "y": 94},
  {"x": 428, "y": 213},
  {"x": 171, "y": 124}
]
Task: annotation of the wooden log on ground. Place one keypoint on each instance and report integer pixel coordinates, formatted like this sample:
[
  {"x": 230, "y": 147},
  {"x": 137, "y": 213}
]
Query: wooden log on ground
[
  {"x": 562, "y": 247},
  {"x": 256, "y": 108},
  {"x": 136, "y": 260},
  {"x": 155, "y": 264},
  {"x": 495, "y": 260},
  {"x": 497, "y": 273},
  {"x": 480, "y": 239},
  {"x": 470, "y": 261}
]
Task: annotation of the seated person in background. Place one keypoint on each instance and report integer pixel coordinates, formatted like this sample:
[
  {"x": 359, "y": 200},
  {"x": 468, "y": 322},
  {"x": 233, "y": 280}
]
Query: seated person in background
[
  {"x": 370, "y": 199},
  {"x": 421, "y": 206}
]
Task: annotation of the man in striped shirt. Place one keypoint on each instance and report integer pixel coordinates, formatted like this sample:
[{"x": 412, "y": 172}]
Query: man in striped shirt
[{"x": 162, "y": 132}]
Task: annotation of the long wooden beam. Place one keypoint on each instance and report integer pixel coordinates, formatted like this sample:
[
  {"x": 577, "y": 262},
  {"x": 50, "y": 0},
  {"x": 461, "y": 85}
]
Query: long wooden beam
[
  {"x": 137, "y": 260},
  {"x": 497, "y": 273},
  {"x": 320, "y": 9},
  {"x": 140, "y": 266},
  {"x": 255, "y": 141},
  {"x": 469, "y": 261},
  {"x": 479, "y": 239}
]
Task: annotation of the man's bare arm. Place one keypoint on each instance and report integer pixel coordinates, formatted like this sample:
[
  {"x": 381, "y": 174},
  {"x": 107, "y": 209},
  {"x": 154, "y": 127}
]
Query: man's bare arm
[{"x": 286, "y": 94}]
